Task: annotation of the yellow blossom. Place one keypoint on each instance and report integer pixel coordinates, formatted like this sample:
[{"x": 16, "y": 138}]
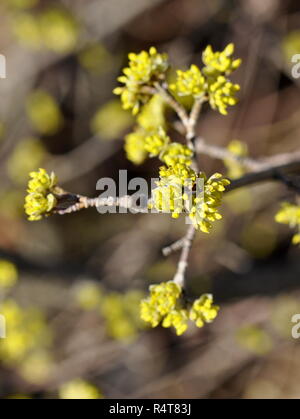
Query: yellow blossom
[
  {"x": 178, "y": 319},
  {"x": 203, "y": 311},
  {"x": 144, "y": 69},
  {"x": 176, "y": 153},
  {"x": 182, "y": 190},
  {"x": 156, "y": 143},
  {"x": 40, "y": 199},
  {"x": 222, "y": 93},
  {"x": 220, "y": 62},
  {"x": 166, "y": 306},
  {"x": 189, "y": 83}
]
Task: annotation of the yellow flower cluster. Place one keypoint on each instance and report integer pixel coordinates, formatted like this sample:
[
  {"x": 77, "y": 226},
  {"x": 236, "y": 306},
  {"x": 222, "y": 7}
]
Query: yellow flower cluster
[
  {"x": 234, "y": 168},
  {"x": 189, "y": 83},
  {"x": 178, "y": 174},
  {"x": 217, "y": 63},
  {"x": 211, "y": 83},
  {"x": 203, "y": 311},
  {"x": 181, "y": 190},
  {"x": 204, "y": 210},
  {"x": 79, "y": 389},
  {"x": 177, "y": 153},
  {"x": 169, "y": 196},
  {"x": 290, "y": 214},
  {"x": 222, "y": 94},
  {"x": 40, "y": 199},
  {"x": 165, "y": 306},
  {"x": 156, "y": 143},
  {"x": 144, "y": 69}
]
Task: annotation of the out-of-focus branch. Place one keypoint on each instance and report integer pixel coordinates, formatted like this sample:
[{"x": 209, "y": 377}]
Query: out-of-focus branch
[
  {"x": 217, "y": 152},
  {"x": 268, "y": 173},
  {"x": 82, "y": 159}
]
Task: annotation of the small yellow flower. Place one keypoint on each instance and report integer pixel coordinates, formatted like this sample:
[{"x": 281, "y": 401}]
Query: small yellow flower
[
  {"x": 222, "y": 93},
  {"x": 156, "y": 143},
  {"x": 203, "y": 311},
  {"x": 178, "y": 319},
  {"x": 217, "y": 63}
]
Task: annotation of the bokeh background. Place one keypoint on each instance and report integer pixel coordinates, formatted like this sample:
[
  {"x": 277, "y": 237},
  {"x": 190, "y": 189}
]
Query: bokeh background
[{"x": 70, "y": 285}]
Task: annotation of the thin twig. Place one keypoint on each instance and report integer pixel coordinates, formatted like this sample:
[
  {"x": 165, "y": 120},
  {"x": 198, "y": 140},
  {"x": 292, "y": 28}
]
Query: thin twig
[
  {"x": 193, "y": 118},
  {"x": 269, "y": 173},
  {"x": 202, "y": 147},
  {"x": 179, "y": 277},
  {"x": 221, "y": 153},
  {"x": 84, "y": 202},
  {"x": 168, "y": 98},
  {"x": 166, "y": 251}
]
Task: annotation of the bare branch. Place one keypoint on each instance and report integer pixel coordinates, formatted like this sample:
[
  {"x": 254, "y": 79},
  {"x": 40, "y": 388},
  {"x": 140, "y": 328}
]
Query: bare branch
[
  {"x": 183, "y": 261},
  {"x": 268, "y": 173},
  {"x": 84, "y": 202},
  {"x": 168, "y": 98},
  {"x": 202, "y": 147},
  {"x": 166, "y": 251}
]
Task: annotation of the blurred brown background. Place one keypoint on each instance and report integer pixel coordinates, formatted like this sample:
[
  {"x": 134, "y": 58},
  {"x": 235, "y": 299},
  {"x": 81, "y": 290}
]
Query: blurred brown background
[{"x": 57, "y": 111}]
